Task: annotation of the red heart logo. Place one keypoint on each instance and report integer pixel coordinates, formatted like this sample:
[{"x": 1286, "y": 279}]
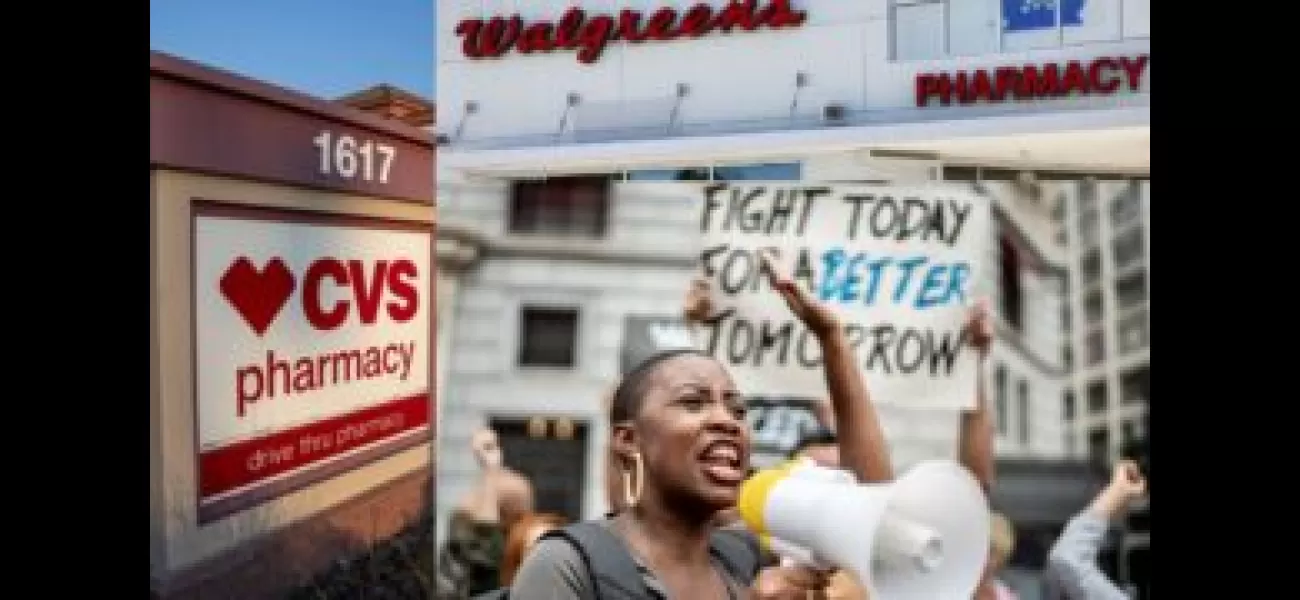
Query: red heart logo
[{"x": 257, "y": 297}]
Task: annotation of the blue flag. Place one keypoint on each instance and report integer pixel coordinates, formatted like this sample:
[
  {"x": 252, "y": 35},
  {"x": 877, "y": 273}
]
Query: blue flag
[{"x": 1032, "y": 15}]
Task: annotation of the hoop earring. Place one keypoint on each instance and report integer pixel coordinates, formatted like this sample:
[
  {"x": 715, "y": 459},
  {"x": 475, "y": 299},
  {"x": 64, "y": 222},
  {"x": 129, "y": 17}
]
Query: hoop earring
[{"x": 631, "y": 494}]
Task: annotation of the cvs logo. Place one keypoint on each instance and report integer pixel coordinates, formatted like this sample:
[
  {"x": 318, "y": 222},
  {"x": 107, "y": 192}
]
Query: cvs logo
[{"x": 260, "y": 295}]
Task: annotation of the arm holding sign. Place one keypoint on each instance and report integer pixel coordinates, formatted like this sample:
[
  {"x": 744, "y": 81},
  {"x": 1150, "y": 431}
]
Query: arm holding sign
[
  {"x": 976, "y": 438},
  {"x": 975, "y": 442},
  {"x": 863, "y": 449}
]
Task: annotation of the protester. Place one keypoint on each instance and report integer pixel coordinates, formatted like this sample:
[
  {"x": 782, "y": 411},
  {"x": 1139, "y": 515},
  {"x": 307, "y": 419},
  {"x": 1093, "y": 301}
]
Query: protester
[
  {"x": 975, "y": 452},
  {"x": 613, "y": 475},
  {"x": 521, "y": 538},
  {"x": 470, "y": 561},
  {"x": 678, "y": 431},
  {"x": 1002, "y": 542},
  {"x": 1072, "y": 569}
]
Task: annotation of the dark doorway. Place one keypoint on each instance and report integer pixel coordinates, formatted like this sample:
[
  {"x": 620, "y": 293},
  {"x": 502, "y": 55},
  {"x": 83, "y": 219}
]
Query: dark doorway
[
  {"x": 1139, "y": 571},
  {"x": 552, "y": 453}
]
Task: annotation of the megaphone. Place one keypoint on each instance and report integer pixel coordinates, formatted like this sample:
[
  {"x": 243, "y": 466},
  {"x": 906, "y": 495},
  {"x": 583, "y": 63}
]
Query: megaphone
[
  {"x": 924, "y": 536},
  {"x": 792, "y": 554}
]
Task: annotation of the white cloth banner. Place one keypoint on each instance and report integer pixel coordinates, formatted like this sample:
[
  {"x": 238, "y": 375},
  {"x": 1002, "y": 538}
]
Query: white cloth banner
[{"x": 897, "y": 263}]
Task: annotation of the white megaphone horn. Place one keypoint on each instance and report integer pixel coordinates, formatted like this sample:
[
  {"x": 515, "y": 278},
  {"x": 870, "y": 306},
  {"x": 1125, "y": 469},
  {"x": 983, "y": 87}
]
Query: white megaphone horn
[
  {"x": 924, "y": 536},
  {"x": 792, "y": 554}
]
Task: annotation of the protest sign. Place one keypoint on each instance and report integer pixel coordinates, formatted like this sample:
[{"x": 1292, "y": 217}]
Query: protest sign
[
  {"x": 898, "y": 264},
  {"x": 778, "y": 424}
]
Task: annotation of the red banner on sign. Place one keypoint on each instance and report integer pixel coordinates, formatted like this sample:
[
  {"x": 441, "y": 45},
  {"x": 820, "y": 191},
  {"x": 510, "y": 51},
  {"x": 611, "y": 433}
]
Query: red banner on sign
[{"x": 250, "y": 461}]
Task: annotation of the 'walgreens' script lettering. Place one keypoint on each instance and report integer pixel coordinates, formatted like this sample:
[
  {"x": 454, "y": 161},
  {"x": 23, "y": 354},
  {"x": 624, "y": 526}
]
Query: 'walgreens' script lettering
[{"x": 492, "y": 38}]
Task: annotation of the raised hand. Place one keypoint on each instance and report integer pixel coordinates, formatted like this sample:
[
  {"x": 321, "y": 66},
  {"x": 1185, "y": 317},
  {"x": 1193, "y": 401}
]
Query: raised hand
[
  {"x": 1128, "y": 481},
  {"x": 818, "y": 317},
  {"x": 486, "y": 450},
  {"x": 980, "y": 328},
  {"x": 699, "y": 304}
]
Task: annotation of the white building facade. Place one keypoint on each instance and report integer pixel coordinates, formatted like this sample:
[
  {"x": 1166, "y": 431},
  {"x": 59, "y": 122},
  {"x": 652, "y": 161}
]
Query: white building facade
[
  {"x": 1107, "y": 316},
  {"x": 533, "y": 131}
]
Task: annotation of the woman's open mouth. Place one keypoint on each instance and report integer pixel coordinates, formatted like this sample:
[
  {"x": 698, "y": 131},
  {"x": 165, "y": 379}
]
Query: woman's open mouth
[{"x": 724, "y": 462}]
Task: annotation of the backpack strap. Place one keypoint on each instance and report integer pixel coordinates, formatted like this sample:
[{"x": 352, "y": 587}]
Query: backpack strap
[
  {"x": 739, "y": 553},
  {"x": 613, "y": 572}
]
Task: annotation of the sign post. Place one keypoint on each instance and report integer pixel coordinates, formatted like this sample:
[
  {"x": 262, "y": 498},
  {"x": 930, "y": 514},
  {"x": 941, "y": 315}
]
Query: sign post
[{"x": 291, "y": 331}]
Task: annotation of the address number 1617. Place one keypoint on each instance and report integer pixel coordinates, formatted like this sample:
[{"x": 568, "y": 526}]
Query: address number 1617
[{"x": 343, "y": 156}]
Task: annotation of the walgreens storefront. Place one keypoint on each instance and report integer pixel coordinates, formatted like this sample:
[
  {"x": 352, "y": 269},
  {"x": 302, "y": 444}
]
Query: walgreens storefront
[{"x": 541, "y": 104}]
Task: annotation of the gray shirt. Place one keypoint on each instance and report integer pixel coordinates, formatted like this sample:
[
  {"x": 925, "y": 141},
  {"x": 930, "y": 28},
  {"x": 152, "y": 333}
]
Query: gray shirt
[
  {"x": 554, "y": 570},
  {"x": 1072, "y": 562}
]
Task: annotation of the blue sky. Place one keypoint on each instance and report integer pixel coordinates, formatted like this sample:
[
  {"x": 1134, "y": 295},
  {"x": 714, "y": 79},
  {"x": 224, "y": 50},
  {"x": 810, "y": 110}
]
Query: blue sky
[{"x": 325, "y": 48}]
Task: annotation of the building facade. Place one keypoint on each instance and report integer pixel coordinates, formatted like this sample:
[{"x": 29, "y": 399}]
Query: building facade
[
  {"x": 1107, "y": 317},
  {"x": 1019, "y": 96}
]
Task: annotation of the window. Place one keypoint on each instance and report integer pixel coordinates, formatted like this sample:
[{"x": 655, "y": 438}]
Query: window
[
  {"x": 928, "y": 29},
  {"x": 756, "y": 172},
  {"x": 1128, "y": 248},
  {"x": 1126, "y": 207},
  {"x": 1000, "y": 397},
  {"x": 1066, "y": 322},
  {"x": 1127, "y": 432},
  {"x": 1029, "y": 24},
  {"x": 1093, "y": 307},
  {"x": 1134, "y": 332},
  {"x": 1099, "y": 446},
  {"x": 1022, "y": 407},
  {"x": 1068, "y": 404},
  {"x": 961, "y": 173},
  {"x": 1087, "y": 195},
  {"x": 1097, "y": 397},
  {"x": 1090, "y": 265},
  {"x": 567, "y": 206},
  {"x": 759, "y": 172},
  {"x": 1012, "y": 305},
  {"x": 919, "y": 29},
  {"x": 1095, "y": 346},
  {"x": 683, "y": 174},
  {"x": 1089, "y": 228},
  {"x": 548, "y": 337},
  {"x": 1131, "y": 290},
  {"x": 972, "y": 28},
  {"x": 1067, "y": 357},
  {"x": 1137, "y": 18},
  {"x": 1135, "y": 387},
  {"x": 1059, "y": 208}
]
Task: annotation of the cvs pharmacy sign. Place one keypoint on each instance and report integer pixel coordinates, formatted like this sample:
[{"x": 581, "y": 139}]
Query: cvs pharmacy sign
[{"x": 313, "y": 344}]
